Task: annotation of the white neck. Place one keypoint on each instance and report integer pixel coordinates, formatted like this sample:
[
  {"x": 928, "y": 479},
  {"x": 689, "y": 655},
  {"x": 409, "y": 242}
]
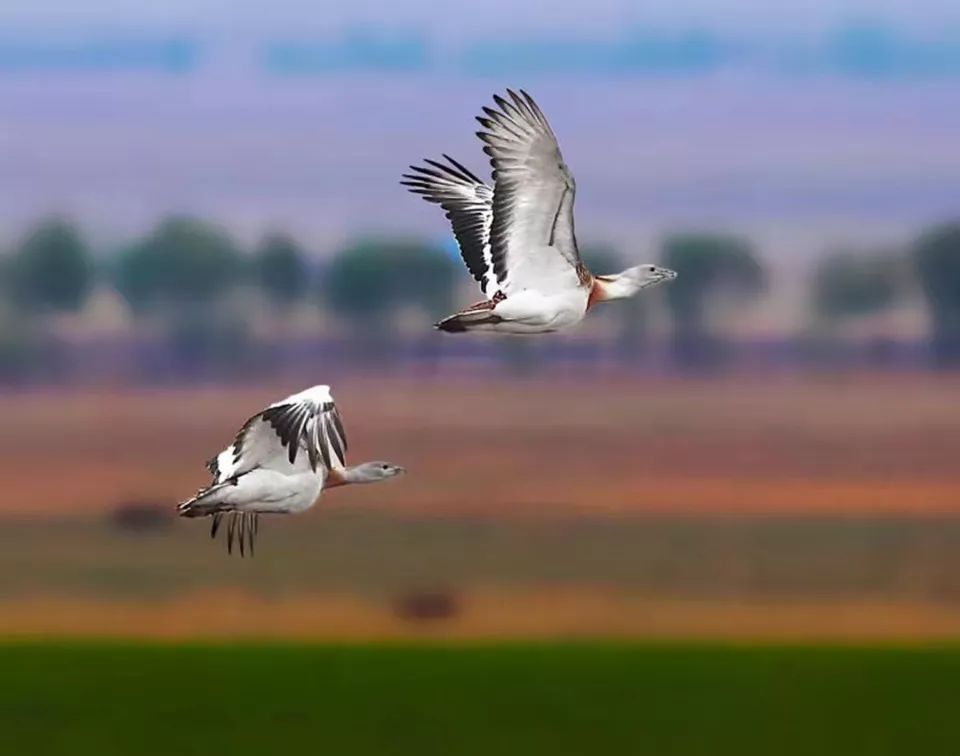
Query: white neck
[
  {"x": 357, "y": 475},
  {"x": 617, "y": 286}
]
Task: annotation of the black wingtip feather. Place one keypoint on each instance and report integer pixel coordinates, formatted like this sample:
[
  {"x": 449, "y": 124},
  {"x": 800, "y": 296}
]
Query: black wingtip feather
[
  {"x": 461, "y": 167},
  {"x": 338, "y": 424},
  {"x": 231, "y": 529},
  {"x": 427, "y": 171}
]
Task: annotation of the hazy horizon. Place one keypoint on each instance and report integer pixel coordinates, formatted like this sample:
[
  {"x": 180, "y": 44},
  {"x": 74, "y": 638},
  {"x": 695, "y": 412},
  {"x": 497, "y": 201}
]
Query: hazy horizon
[{"x": 810, "y": 126}]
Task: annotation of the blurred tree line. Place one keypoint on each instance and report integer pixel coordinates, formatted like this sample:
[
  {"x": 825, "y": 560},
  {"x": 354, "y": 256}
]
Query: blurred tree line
[{"x": 190, "y": 286}]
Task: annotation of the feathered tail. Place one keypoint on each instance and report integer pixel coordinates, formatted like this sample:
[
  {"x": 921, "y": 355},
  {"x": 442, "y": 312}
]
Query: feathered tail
[
  {"x": 477, "y": 315},
  {"x": 210, "y": 502},
  {"x": 207, "y": 501}
]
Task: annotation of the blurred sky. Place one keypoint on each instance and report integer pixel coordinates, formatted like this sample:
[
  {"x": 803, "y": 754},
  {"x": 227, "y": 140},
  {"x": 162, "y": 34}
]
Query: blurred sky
[{"x": 801, "y": 123}]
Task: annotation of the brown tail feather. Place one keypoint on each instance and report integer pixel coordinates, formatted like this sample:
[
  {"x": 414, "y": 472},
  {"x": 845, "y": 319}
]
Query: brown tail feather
[
  {"x": 466, "y": 321},
  {"x": 475, "y": 315}
]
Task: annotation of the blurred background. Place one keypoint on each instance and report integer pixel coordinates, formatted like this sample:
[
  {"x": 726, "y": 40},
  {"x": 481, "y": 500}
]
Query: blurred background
[{"x": 201, "y": 214}]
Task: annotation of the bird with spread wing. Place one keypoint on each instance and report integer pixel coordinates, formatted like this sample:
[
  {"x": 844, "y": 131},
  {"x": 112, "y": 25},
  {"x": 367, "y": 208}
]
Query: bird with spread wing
[
  {"x": 280, "y": 461},
  {"x": 517, "y": 238}
]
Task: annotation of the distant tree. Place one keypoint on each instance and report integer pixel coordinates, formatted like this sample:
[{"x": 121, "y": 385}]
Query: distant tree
[
  {"x": 281, "y": 270},
  {"x": 369, "y": 279},
  {"x": 51, "y": 270},
  {"x": 183, "y": 262},
  {"x": 8, "y": 287},
  {"x": 848, "y": 285},
  {"x": 21, "y": 343},
  {"x": 423, "y": 275},
  {"x": 937, "y": 257},
  {"x": 709, "y": 268},
  {"x": 179, "y": 274},
  {"x": 202, "y": 344}
]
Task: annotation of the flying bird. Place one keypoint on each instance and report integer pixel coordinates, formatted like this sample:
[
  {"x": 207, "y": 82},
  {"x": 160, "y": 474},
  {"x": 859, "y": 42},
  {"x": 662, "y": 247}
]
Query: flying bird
[
  {"x": 279, "y": 462},
  {"x": 517, "y": 238}
]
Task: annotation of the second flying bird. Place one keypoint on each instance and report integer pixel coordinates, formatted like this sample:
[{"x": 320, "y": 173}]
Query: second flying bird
[{"x": 517, "y": 238}]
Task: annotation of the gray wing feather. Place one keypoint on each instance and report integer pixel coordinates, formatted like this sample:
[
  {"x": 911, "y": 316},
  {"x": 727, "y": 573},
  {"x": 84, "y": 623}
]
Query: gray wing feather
[{"x": 533, "y": 194}]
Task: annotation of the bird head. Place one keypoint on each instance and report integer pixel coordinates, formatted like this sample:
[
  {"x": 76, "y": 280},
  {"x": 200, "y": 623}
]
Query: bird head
[
  {"x": 644, "y": 276},
  {"x": 371, "y": 472},
  {"x": 632, "y": 280}
]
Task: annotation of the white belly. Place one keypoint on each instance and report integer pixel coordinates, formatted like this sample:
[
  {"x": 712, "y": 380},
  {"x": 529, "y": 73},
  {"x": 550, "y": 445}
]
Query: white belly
[
  {"x": 530, "y": 311},
  {"x": 269, "y": 491}
]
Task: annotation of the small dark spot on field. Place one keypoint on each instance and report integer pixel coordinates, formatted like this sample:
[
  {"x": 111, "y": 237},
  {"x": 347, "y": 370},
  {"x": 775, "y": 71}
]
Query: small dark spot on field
[
  {"x": 141, "y": 516},
  {"x": 425, "y": 606}
]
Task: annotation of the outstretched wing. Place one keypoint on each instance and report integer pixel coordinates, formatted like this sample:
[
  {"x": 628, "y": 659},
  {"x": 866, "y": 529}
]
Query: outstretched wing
[
  {"x": 468, "y": 203},
  {"x": 293, "y": 435},
  {"x": 532, "y": 236}
]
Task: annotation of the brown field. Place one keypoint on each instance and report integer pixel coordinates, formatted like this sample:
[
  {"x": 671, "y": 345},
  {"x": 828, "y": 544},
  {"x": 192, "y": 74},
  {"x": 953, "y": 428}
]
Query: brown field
[
  {"x": 858, "y": 445},
  {"x": 787, "y": 509},
  {"x": 346, "y": 574},
  {"x": 567, "y": 614}
]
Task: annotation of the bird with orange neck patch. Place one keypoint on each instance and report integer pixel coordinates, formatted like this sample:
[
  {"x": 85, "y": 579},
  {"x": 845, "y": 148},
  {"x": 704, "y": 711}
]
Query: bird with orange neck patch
[
  {"x": 280, "y": 462},
  {"x": 517, "y": 238}
]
